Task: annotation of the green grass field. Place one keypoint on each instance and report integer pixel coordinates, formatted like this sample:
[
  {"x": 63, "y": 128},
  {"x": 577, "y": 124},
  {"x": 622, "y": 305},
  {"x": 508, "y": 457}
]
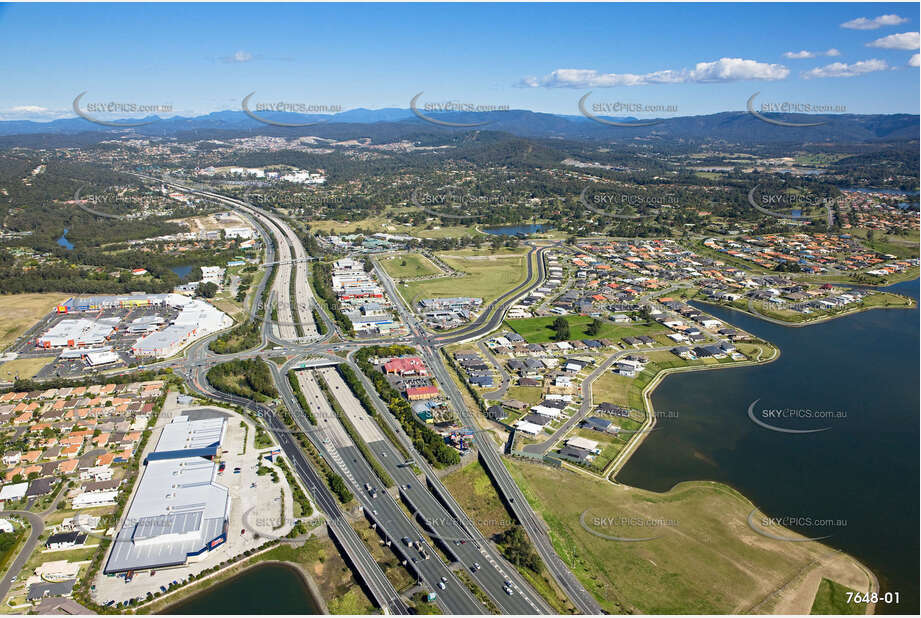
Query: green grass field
[
  {"x": 831, "y": 598},
  {"x": 540, "y": 330},
  {"x": 409, "y": 265},
  {"x": 487, "y": 275},
  {"x": 702, "y": 557}
]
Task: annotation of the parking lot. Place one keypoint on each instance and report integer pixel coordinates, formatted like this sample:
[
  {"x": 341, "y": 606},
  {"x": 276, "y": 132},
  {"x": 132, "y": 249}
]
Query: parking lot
[
  {"x": 120, "y": 341},
  {"x": 256, "y": 511}
]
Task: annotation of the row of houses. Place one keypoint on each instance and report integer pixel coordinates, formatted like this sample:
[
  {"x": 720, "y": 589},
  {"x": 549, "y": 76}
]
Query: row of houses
[{"x": 475, "y": 369}]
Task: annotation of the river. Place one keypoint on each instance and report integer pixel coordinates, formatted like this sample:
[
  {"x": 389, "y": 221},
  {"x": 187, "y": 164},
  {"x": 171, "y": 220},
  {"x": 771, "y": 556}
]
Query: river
[
  {"x": 863, "y": 471},
  {"x": 262, "y": 590}
]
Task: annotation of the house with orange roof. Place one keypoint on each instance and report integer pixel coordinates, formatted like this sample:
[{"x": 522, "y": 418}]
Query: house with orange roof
[
  {"x": 23, "y": 418},
  {"x": 33, "y": 469},
  {"x": 105, "y": 459},
  {"x": 67, "y": 467},
  {"x": 125, "y": 455},
  {"x": 12, "y": 472},
  {"x": 101, "y": 440},
  {"x": 31, "y": 456},
  {"x": 71, "y": 450}
]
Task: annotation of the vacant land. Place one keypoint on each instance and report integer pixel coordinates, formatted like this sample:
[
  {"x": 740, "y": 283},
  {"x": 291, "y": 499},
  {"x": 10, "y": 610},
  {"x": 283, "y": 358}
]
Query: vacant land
[
  {"x": 474, "y": 491},
  {"x": 487, "y": 275},
  {"x": 20, "y": 311},
  {"x": 540, "y": 330},
  {"x": 701, "y": 557},
  {"x": 23, "y": 368},
  {"x": 408, "y": 266}
]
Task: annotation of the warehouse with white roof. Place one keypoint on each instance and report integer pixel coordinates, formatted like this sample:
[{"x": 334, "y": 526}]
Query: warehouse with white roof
[{"x": 179, "y": 511}]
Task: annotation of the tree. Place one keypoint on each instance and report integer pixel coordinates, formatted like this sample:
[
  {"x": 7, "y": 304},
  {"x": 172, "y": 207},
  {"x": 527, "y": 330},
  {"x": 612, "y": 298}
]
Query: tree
[
  {"x": 595, "y": 327},
  {"x": 561, "y": 326},
  {"x": 208, "y": 289}
]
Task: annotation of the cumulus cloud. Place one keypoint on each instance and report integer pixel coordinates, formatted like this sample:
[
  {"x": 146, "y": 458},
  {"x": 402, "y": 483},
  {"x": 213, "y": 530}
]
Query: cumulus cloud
[
  {"x": 238, "y": 57},
  {"x": 905, "y": 40},
  {"x": 808, "y": 54},
  {"x": 841, "y": 69},
  {"x": 722, "y": 70},
  {"x": 915, "y": 61},
  {"x": 862, "y": 23}
]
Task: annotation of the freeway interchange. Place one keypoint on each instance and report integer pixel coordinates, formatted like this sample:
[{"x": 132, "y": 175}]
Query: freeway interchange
[{"x": 411, "y": 508}]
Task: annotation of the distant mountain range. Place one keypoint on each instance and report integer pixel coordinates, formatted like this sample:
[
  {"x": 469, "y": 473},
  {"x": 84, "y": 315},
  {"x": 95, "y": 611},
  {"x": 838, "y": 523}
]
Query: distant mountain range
[{"x": 390, "y": 123}]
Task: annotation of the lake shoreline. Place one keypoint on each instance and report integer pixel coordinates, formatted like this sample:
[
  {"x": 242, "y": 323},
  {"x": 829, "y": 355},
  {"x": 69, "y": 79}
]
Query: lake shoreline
[{"x": 308, "y": 582}]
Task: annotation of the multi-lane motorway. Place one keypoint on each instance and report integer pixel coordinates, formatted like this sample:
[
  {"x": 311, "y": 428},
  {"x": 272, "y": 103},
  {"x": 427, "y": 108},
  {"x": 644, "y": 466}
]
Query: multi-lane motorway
[{"x": 434, "y": 510}]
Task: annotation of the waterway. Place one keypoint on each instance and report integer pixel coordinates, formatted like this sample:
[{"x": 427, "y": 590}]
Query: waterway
[
  {"x": 262, "y": 590},
  {"x": 515, "y": 230},
  {"x": 862, "y": 471},
  {"x": 62, "y": 241}
]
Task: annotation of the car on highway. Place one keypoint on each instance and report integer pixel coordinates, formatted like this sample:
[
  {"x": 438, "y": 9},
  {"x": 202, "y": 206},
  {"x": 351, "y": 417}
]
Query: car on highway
[
  {"x": 508, "y": 591},
  {"x": 441, "y": 585}
]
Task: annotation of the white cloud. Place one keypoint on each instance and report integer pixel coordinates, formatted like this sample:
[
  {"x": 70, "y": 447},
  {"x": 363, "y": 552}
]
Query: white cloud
[
  {"x": 722, "y": 70},
  {"x": 862, "y": 23},
  {"x": 841, "y": 69},
  {"x": 905, "y": 40},
  {"x": 915, "y": 61},
  {"x": 29, "y": 109},
  {"x": 238, "y": 57},
  {"x": 808, "y": 54}
]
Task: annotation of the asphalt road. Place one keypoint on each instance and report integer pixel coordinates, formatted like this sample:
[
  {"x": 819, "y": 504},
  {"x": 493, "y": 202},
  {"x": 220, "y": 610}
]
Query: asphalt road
[
  {"x": 346, "y": 459},
  {"x": 488, "y": 321},
  {"x": 37, "y": 526},
  {"x": 429, "y": 513}
]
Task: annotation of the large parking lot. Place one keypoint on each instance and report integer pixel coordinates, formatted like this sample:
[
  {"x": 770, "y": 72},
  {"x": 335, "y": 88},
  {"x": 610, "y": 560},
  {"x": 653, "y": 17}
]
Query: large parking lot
[
  {"x": 255, "y": 505},
  {"x": 120, "y": 342}
]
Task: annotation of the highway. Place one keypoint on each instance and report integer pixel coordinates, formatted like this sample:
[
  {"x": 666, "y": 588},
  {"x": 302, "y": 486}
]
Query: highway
[
  {"x": 445, "y": 528},
  {"x": 491, "y": 459},
  {"x": 381, "y": 590},
  {"x": 361, "y": 472},
  {"x": 332, "y": 440}
]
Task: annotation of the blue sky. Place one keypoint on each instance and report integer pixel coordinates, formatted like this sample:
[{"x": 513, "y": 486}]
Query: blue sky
[{"x": 699, "y": 58}]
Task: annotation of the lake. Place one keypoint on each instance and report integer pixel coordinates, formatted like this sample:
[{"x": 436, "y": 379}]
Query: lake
[
  {"x": 863, "y": 471},
  {"x": 182, "y": 271},
  {"x": 62, "y": 241},
  {"x": 515, "y": 230},
  {"x": 262, "y": 590}
]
